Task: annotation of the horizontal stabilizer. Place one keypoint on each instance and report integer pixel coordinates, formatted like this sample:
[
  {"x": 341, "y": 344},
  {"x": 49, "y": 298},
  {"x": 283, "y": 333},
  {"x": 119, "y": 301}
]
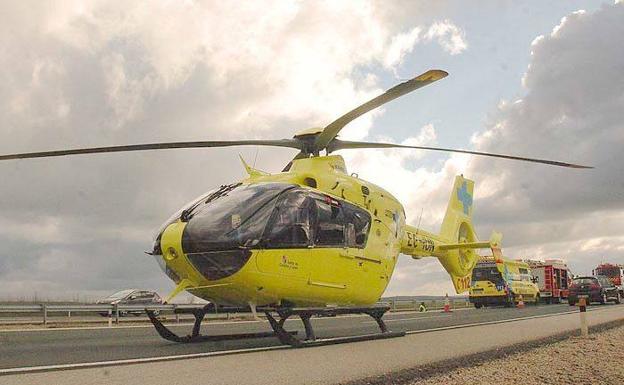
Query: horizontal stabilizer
[
  {"x": 467, "y": 245},
  {"x": 494, "y": 242}
]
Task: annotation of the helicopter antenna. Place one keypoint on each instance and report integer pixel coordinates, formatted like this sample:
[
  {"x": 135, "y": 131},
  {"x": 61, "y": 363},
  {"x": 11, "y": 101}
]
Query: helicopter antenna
[
  {"x": 255, "y": 157},
  {"x": 419, "y": 218}
]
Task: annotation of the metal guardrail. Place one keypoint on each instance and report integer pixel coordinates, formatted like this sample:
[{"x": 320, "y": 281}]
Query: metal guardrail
[
  {"x": 114, "y": 312},
  {"x": 413, "y": 304}
]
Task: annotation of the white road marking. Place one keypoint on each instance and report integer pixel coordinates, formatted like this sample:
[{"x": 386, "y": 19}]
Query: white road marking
[{"x": 494, "y": 322}]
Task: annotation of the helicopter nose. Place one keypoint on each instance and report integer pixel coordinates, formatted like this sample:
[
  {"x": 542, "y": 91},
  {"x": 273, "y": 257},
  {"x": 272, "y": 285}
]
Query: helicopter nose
[
  {"x": 214, "y": 260},
  {"x": 167, "y": 252},
  {"x": 156, "y": 246}
]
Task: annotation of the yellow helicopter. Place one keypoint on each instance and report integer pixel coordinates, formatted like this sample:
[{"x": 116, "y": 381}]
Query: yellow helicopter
[{"x": 310, "y": 240}]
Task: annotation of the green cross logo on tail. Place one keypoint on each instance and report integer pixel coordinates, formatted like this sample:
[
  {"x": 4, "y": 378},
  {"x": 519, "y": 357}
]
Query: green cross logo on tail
[{"x": 464, "y": 197}]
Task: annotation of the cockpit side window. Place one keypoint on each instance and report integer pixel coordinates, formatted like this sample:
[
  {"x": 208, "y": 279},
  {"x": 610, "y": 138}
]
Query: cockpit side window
[
  {"x": 302, "y": 218},
  {"x": 290, "y": 224},
  {"x": 330, "y": 226}
]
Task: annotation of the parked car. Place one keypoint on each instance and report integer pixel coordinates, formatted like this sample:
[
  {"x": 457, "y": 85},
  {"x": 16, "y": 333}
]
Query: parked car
[
  {"x": 132, "y": 297},
  {"x": 615, "y": 274},
  {"x": 596, "y": 289}
]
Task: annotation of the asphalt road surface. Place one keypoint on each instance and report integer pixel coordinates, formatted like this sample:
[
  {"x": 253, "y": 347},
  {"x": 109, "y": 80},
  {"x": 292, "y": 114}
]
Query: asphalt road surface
[
  {"x": 29, "y": 348},
  {"x": 333, "y": 364}
]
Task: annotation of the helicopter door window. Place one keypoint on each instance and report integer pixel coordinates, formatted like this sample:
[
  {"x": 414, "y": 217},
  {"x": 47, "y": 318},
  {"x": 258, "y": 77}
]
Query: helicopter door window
[
  {"x": 290, "y": 224},
  {"x": 330, "y": 226}
]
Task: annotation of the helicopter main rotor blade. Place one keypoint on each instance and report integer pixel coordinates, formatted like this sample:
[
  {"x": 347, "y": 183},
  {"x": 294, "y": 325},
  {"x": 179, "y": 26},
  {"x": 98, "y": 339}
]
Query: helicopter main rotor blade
[
  {"x": 344, "y": 145},
  {"x": 330, "y": 131},
  {"x": 291, "y": 143}
]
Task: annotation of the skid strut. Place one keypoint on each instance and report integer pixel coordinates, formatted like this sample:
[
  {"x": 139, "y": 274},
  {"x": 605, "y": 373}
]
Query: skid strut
[
  {"x": 305, "y": 314},
  {"x": 195, "y": 336},
  {"x": 277, "y": 317}
]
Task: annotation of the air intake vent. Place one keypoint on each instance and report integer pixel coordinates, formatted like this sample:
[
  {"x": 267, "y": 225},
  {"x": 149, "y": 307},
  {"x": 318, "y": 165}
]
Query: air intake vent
[{"x": 311, "y": 182}]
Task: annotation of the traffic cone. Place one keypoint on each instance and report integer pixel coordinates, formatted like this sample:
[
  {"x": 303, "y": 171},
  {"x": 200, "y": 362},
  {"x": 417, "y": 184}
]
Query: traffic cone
[
  {"x": 447, "y": 304},
  {"x": 520, "y": 302}
]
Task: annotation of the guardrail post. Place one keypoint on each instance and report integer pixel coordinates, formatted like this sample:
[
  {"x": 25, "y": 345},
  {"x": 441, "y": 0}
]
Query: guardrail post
[
  {"x": 69, "y": 314},
  {"x": 44, "y": 308},
  {"x": 116, "y": 314},
  {"x": 177, "y": 315},
  {"x": 415, "y": 305},
  {"x": 583, "y": 312},
  {"x": 110, "y": 318},
  {"x": 393, "y": 304}
]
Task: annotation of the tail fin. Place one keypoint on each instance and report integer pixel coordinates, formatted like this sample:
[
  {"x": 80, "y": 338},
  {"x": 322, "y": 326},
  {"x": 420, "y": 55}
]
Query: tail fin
[{"x": 456, "y": 229}]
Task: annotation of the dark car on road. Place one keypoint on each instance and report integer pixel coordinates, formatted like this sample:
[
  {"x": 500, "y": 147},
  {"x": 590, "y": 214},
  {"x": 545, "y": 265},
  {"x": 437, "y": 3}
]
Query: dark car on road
[
  {"x": 595, "y": 289},
  {"x": 132, "y": 297}
]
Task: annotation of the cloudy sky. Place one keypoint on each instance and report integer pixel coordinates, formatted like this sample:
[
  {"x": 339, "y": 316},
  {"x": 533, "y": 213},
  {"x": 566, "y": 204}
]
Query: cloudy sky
[{"x": 533, "y": 78}]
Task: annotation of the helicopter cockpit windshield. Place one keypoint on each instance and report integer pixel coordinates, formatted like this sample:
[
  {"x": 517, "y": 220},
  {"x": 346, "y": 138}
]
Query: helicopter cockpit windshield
[
  {"x": 273, "y": 215},
  {"x": 234, "y": 218},
  {"x": 224, "y": 225}
]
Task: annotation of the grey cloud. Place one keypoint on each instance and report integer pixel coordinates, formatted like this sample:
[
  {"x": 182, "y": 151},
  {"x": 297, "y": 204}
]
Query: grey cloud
[
  {"x": 98, "y": 74},
  {"x": 572, "y": 110}
]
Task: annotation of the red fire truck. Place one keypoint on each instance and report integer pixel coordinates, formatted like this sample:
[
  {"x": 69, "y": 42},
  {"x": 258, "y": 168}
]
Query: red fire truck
[
  {"x": 615, "y": 273},
  {"x": 553, "y": 278}
]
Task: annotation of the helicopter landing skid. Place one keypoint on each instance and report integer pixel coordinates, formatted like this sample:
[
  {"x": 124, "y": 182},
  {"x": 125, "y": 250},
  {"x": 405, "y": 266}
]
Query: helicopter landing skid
[
  {"x": 305, "y": 314},
  {"x": 199, "y": 314}
]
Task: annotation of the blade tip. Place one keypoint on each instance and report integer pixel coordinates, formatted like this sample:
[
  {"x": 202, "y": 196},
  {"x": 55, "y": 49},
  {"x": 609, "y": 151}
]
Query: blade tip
[
  {"x": 437, "y": 74},
  {"x": 579, "y": 166}
]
